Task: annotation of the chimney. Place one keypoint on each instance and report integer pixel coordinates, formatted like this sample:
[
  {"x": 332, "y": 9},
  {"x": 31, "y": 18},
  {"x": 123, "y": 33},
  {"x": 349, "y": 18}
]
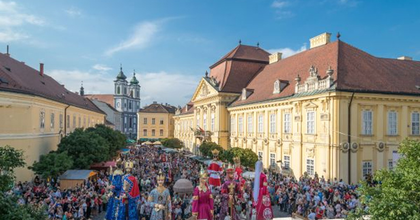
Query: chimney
[
  {"x": 405, "y": 58},
  {"x": 7, "y": 51},
  {"x": 320, "y": 40},
  {"x": 41, "y": 69},
  {"x": 274, "y": 57}
]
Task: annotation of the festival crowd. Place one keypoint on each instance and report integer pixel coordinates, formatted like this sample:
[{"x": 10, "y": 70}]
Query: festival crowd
[{"x": 229, "y": 196}]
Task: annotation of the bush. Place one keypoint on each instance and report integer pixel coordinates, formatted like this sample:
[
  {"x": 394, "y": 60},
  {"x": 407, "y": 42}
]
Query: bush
[
  {"x": 247, "y": 156},
  {"x": 52, "y": 165},
  {"x": 172, "y": 143},
  {"x": 206, "y": 148},
  {"x": 10, "y": 158}
]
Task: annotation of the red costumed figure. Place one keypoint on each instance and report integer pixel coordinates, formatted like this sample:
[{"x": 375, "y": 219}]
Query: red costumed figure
[
  {"x": 261, "y": 196},
  {"x": 215, "y": 169},
  {"x": 238, "y": 173},
  {"x": 202, "y": 206}
]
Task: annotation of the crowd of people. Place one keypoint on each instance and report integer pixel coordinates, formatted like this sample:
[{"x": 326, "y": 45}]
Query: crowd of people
[{"x": 310, "y": 197}]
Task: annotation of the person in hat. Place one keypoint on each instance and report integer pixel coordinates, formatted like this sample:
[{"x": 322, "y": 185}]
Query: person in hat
[
  {"x": 202, "y": 206},
  {"x": 129, "y": 196},
  {"x": 116, "y": 178},
  {"x": 160, "y": 200},
  {"x": 261, "y": 196},
  {"x": 215, "y": 169},
  {"x": 230, "y": 191}
]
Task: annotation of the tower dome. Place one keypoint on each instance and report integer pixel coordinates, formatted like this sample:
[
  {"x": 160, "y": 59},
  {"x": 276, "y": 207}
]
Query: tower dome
[
  {"x": 121, "y": 74},
  {"x": 134, "y": 80}
]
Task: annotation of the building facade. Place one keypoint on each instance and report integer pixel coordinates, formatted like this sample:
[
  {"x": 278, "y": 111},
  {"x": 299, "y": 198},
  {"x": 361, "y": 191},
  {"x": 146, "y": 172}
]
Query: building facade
[
  {"x": 127, "y": 101},
  {"x": 36, "y": 111},
  {"x": 333, "y": 110},
  {"x": 156, "y": 121},
  {"x": 113, "y": 117}
]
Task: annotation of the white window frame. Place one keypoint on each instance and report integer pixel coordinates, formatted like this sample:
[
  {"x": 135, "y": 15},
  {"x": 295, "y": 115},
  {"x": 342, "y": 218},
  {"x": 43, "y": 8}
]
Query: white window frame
[
  {"x": 153, "y": 132},
  {"x": 286, "y": 161},
  {"x": 42, "y": 120},
  {"x": 212, "y": 121},
  {"x": 310, "y": 166},
  {"x": 145, "y": 121},
  {"x": 153, "y": 121},
  {"x": 260, "y": 123},
  {"x": 310, "y": 122},
  {"x": 74, "y": 121},
  {"x": 367, "y": 122},
  {"x": 260, "y": 155},
  {"x": 161, "y": 132},
  {"x": 272, "y": 123},
  {"x": 144, "y": 132},
  {"x": 61, "y": 121},
  {"x": 249, "y": 123},
  {"x": 367, "y": 167},
  {"x": 272, "y": 159},
  {"x": 287, "y": 123},
  {"x": 52, "y": 121},
  {"x": 415, "y": 123},
  {"x": 392, "y": 123},
  {"x": 232, "y": 124},
  {"x": 240, "y": 124},
  {"x": 198, "y": 120}
]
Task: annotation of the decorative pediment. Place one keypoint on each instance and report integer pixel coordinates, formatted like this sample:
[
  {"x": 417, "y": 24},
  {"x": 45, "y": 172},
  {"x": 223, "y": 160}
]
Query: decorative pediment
[
  {"x": 204, "y": 90},
  {"x": 311, "y": 105}
]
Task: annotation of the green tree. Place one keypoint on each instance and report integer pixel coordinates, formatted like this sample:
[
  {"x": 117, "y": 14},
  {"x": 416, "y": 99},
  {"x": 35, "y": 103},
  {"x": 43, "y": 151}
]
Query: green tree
[
  {"x": 10, "y": 158},
  {"x": 52, "y": 165},
  {"x": 84, "y": 148},
  {"x": 172, "y": 143},
  {"x": 206, "y": 148},
  {"x": 116, "y": 140},
  {"x": 247, "y": 156},
  {"x": 397, "y": 196},
  {"x": 11, "y": 210}
]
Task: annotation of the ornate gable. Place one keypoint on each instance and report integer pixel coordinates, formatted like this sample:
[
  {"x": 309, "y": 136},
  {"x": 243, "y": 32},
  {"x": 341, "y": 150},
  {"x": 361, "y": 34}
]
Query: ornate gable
[{"x": 204, "y": 90}]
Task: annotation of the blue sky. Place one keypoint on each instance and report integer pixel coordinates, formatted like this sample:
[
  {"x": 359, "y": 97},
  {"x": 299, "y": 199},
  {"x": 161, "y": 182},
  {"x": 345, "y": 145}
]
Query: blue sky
[{"x": 172, "y": 43}]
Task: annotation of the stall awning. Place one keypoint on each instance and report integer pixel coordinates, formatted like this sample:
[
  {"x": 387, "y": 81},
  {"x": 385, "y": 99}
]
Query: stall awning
[{"x": 77, "y": 174}]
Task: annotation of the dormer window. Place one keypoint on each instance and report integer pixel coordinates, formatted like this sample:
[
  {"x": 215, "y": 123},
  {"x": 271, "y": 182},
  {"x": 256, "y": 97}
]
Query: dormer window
[
  {"x": 243, "y": 93},
  {"x": 279, "y": 85},
  {"x": 246, "y": 93}
]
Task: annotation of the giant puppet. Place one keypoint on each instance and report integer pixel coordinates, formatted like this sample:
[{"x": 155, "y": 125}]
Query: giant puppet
[
  {"x": 261, "y": 196},
  {"x": 129, "y": 196},
  {"x": 202, "y": 206},
  {"x": 160, "y": 200},
  {"x": 215, "y": 169},
  {"x": 116, "y": 179},
  {"x": 230, "y": 191}
]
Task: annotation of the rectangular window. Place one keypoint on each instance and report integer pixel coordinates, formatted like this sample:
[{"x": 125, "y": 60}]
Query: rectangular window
[
  {"x": 310, "y": 167},
  {"x": 161, "y": 121},
  {"x": 84, "y": 122},
  {"x": 392, "y": 123},
  {"x": 240, "y": 124},
  {"x": 366, "y": 168},
  {"x": 310, "y": 122},
  {"x": 80, "y": 122},
  {"x": 198, "y": 120},
  {"x": 287, "y": 123},
  {"x": 212, "y": 121},
  {"x": 260, "y": 155},
  {"x": 153, "y": 132},
  {"x": 161, "y": 132},
  {"x": 232, "y": 124},
  {"x": 68, "y": 121},
  {"x": 88, "y": 121},
  {"x": 205, "y": 122},
  {"x": 42, "y": 120},
  {"x": 390, "y": 165},
  {"x": 249, "y": 121},
  {"x": 144, "y": 132},
  {"x": 272, "y": 159},
  {"x": 273, "y": 123},
  {"x": 286, "y": 161},
  {"x": 367, "y": 122},
  {"x": 52, "y": 120},
  {"x": 74, "y": 121},
  {"x": 61, "y": 121},
  {"x": 145, "y": 121},
  {"x": 153, "y": 121},
  {"x": 415, "y": 123},
  {"x": 260, "y": 123}
]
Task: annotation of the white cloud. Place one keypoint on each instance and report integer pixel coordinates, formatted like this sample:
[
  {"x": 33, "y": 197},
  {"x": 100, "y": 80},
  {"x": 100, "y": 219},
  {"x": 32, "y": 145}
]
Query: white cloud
[
  {"x": 101, "y": 67},
  {"x": 7, "y": 35},
  {"x": 141, "y": 37},
  {"x": 287, "y": 52},
  {"x": 163, "y": 87},
  {"x": 74, "y": 12},
  {"x": 279, "y": 4}
]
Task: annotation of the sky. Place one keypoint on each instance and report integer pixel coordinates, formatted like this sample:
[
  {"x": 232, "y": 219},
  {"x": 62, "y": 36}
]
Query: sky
[{"x": 171, "y": 44}]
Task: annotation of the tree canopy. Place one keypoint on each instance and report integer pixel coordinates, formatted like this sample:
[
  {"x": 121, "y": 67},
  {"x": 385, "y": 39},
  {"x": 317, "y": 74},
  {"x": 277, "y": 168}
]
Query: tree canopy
[
  {"x": 206, "y": 148},
  {"x": 394, "y": 194},
  {"x": 116, "y": 140},
  {"x": 85, "y": 148},
  {"x": 10, "y": 158},
  {"x": 172, "y": 143},
  {"x": 247, "y": 156},
  {"x": 52, "y": 165},
  {"x": 10, "y": 209}
]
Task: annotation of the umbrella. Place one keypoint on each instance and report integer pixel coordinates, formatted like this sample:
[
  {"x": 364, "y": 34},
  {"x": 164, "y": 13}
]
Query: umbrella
[
  {"x": 157, "y": 143},
  {"x": 248, "y": 174},
  {"x": 147, "y": 142},
  {"x": 183, "y": 186}
]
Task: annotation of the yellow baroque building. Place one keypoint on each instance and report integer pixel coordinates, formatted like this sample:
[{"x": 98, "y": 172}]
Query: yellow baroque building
[
  {"x": 333, "y": 109},
  {"x": 156, "y": 121},
  {"x": 36, "y": 111}
]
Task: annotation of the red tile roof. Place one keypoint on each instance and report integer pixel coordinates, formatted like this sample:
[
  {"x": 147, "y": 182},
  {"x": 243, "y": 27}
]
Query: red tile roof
[
  {"x": 354, "y": 70},
  {"x": 158, "y": 108},
  {"x": 238, "y": 67},
  {"x": 107, "y": 98},
  {"x": 15, "y": 76}
]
